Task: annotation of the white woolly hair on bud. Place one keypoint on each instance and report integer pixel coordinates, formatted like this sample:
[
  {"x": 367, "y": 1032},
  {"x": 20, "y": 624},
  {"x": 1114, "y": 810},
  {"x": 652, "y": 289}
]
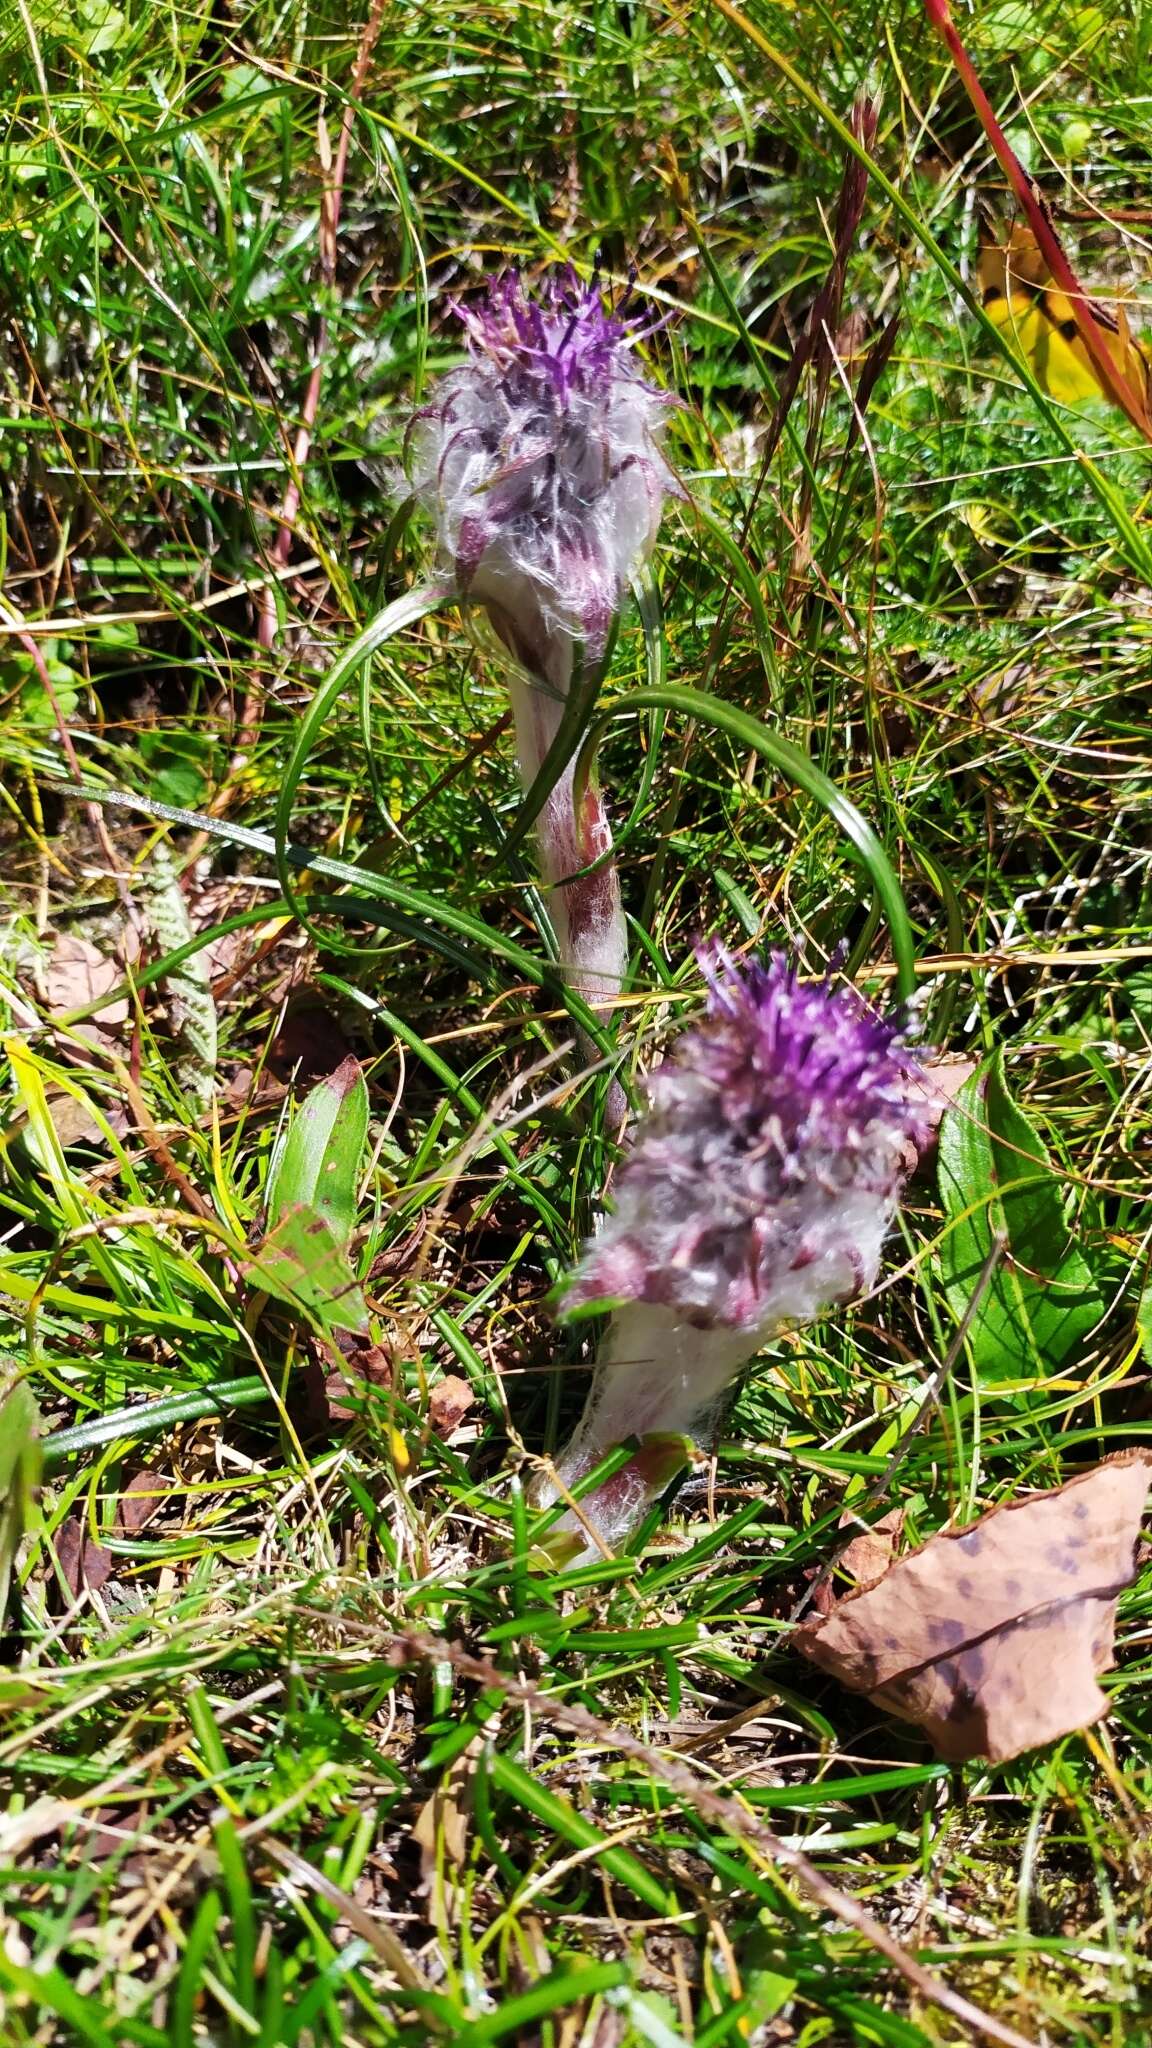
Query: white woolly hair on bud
[
  {"x": 757, "y": 1195},
  {"x": 539, "y": 460}
]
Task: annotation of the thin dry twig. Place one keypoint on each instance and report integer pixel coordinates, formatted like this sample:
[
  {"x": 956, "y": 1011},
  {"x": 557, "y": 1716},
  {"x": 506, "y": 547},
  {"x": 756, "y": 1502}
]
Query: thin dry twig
[{"x": 380, "y": 1938}]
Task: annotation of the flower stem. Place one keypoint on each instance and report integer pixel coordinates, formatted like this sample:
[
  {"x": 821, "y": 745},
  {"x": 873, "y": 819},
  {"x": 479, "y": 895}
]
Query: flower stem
[
  {"x": 660, "y": 1379},
  {"x": 572, "y": 833}
]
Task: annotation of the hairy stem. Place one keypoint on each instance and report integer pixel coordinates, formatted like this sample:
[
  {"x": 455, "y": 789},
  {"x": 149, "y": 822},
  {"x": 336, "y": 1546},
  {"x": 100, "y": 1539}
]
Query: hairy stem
[
  {"x": 586, "y": 913},
  {"x": 660, "y": 1379}
]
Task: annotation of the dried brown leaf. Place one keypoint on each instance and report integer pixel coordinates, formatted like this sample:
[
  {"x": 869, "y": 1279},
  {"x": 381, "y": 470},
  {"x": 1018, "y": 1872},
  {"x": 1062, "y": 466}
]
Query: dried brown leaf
[
  {"x": 84, "y": 1565},
  {"x": 77, "y": 972},
  {"x": 440, "y": 1831},
  {"x": 865, "y": 1559},
  {"x": 966, "y": 1636},
  {"x": 448, "y": 1404},
  {"x": 340, "y": 1394},
  {"x": 868, "y": 1556},
  {"x": 947, "y": 1073},
  {"x": 851, "y": 338},
  {"x": 142, "y": 1497},
  {"x": 310, "y": 1042},
  {"x": 441, "y": 1826},
  {"x": 396, "y": 1259},
  {"x": 944, "y": 1075},
  {"x": 74, "y": 1122},
  {"x": 88, "y": 1565}
]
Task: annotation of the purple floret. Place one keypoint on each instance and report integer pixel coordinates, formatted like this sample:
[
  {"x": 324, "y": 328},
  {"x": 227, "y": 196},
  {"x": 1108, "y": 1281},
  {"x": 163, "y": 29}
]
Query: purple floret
[
  {"x": 563, "y": 338},
  {"x": 797, "y": 1066},
  {"x": 763, "y": 1178},
  {"x": 540, "y": 459}
]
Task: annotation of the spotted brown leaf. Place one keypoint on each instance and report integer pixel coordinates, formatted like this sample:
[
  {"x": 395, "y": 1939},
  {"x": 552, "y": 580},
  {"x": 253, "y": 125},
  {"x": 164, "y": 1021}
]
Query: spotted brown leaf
[{"x": 966, "y": 1636}]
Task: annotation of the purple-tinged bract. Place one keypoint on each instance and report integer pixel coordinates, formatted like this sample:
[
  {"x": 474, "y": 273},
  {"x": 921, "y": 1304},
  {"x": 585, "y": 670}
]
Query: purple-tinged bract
[
  {"x": 766, "y": 1173},
  {"x": 540, "y": 461},
  {"x": 564, "y": 336}
]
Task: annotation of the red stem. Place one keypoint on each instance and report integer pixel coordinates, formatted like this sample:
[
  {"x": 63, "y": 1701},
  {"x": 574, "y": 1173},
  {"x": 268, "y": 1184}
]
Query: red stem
[{"x": 1094, "y": 336}]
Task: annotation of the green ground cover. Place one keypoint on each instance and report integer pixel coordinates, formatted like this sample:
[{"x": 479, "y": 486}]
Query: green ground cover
[{"x": 293, "y": 1715}]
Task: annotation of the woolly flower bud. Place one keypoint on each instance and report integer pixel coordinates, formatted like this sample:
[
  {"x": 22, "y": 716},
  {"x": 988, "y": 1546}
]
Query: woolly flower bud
[
  {"x": 760, "y": 1186},
  {"x": 757, "y": 1194},
  {"x": 540, "y": 461}
]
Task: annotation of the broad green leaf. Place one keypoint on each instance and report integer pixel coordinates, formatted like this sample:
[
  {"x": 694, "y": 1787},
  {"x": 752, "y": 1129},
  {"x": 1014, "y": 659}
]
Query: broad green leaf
[
  {"x": 768, "y": 1992},
  {"x": 996, "y": 1179},
  {"x": 101, "y": 26},
  {"x": 319, "y": 1166},
  {"x": 1007, "y": 26},
  {"x": 118, "y": 633},
  {"x": 301, "y": 1263},
  {"x": 19, "y": 1472},
  {"x": 178, "y": 764},
  {"x": 38, "y": 707}
]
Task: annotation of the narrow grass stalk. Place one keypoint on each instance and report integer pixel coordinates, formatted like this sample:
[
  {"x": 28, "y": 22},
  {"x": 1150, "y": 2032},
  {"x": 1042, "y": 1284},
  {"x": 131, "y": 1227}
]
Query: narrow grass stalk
[
  {"x": 787, "y": 760},
  {"x": 405, "y": 610},
  {"x": 379, "y": 899}
]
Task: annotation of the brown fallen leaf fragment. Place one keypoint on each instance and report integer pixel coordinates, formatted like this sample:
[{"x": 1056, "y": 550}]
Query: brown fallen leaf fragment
[
  {"x": 944, "y": 1075},
  {"x": 867, "y": 1557},
  {"x": 142, "y": 1497},
  {"x": 864, "y": 1559},
  {"x": 77, "y": 972},
  {"x": 448, "y": 1404},
  {"x": 365, "y": 1366},
  {"x": 440, "y": 1830},
  {"x": 84, "y": 1563},
  {"x": 990, "y": 1638},
  {"x": 74, "y": 1122}
]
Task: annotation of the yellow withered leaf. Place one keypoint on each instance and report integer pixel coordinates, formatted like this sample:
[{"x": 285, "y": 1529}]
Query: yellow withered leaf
[{"x": 1019, "y": 294}]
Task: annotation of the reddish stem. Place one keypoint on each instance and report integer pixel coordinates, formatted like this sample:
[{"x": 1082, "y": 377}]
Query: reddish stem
[{"x": 1094, "y": 336}]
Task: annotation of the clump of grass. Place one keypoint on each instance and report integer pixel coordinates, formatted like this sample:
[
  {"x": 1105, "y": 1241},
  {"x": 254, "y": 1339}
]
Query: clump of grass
[{"x": 290, "y": 1712}]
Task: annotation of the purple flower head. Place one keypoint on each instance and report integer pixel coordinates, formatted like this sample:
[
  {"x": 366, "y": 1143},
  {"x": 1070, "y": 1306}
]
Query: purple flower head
[
  {"x": 563, "y": 336},
  {"x": 766, "y": 1173},
  {"x": 540, "y": 461}
]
